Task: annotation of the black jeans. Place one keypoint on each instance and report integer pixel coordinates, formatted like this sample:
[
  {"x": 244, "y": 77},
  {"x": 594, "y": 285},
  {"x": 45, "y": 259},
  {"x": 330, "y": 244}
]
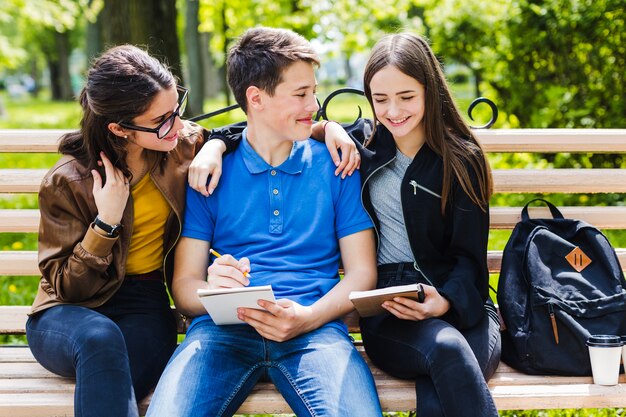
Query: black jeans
[
  {"x": 450, "y": 367},
  {"x": 116, "y": 352}
]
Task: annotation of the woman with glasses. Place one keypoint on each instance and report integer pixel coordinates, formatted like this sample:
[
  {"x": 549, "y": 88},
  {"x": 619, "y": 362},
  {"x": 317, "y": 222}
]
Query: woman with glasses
[{"x": 111, "y": 212}]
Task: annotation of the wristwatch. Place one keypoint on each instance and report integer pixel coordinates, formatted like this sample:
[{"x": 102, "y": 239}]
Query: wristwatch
[{"x": 112, "y": 230}]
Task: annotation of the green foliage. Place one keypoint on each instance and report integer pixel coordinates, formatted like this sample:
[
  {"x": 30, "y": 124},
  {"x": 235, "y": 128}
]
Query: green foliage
[
  {"x": 25, "y": 23},
  {"x": 466, "y": 32},
  {"x": 226, "y": 20},
  {"x": 561, "y": 63}
]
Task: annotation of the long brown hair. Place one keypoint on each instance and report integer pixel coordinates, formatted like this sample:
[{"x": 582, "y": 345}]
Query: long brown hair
[
  {"x": 121, "y": 85},
  {"x": 446, "y": 133}
]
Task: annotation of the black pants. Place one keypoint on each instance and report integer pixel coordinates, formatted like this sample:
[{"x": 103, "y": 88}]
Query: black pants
[
  {"x": 116, "y": 352},
  {"x": 450, "y": 367}
]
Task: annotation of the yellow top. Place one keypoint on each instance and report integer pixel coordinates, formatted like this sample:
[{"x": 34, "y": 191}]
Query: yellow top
[{"x": 146, "y": 244}]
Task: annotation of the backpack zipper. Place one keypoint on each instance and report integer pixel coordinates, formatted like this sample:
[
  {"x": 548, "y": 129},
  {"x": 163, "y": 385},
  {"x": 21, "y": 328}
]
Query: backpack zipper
[{"x": 555, "y": 330}]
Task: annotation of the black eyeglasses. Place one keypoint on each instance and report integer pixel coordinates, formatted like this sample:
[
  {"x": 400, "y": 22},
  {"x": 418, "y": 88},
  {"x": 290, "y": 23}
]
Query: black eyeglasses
[{"x": 164, "y": 128}]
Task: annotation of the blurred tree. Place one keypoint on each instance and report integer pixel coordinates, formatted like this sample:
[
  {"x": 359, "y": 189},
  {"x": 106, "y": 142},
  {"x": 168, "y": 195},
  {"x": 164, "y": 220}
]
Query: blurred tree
[
  {"x": 193, "y": 45},
  {"x": 148, "y": 23},
  {"x": 225, "y": 20},
  {"x": 44, "y": 28},
  {"x": 11, "y": 54},
  {"x": 355, "y": 25},
  {"x": 467, "y": 33},
  {"x": 561, "y": 63}
]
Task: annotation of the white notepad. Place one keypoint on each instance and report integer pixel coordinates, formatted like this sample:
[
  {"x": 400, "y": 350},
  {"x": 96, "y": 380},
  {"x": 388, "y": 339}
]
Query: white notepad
[{"x": 222, "y": 304}]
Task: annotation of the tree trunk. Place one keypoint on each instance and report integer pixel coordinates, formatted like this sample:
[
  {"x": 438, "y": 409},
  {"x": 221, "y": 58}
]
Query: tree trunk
[
  {"x": 55, "y": 87},
  {"x": 194, "y": 58},
  {"x": 223, "y": 72},
  {"x": 34, "y": 73},
  {"x": 212, "y": 84},
  {"x": 148, "y": 23},
  {"x": 59, "y": 65},
  {"x": 347, "y": 68},
  {"x": 94, "y": 40}
]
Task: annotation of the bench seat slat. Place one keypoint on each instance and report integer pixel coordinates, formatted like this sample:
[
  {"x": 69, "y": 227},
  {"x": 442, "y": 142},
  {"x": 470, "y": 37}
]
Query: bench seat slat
[
  {"x": 40, "y": 405},
  {"x": 18, "y": 363},
  {"x": 18, "y": 381}
]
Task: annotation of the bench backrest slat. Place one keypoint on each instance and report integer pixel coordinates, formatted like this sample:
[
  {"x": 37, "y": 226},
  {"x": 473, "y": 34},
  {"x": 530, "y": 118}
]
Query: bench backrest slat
[
  {"x": 497, "y": 140},
  {"x": 505, "y": 180},
  {"x": 24, "y": 263},
  {"x": 27, "y": 220}
]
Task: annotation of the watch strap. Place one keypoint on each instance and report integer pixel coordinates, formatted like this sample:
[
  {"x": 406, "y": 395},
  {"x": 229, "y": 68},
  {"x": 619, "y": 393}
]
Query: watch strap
[{"x": 112, "y": 230}]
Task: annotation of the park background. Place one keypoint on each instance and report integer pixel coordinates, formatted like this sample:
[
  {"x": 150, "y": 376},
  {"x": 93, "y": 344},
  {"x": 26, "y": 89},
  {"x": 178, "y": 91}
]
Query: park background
[{"x": 545, "y": 63}]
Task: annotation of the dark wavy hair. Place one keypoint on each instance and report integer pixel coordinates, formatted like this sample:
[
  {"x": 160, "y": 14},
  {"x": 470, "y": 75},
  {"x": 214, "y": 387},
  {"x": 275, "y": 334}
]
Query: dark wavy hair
[
  {"x": 446, "y": 132},
  {"x": 121, "y": 85}
]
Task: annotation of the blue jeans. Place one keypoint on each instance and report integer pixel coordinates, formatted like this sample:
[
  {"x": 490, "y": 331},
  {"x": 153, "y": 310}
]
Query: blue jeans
[
  {"x": 116, "y": 352},
  {"x": 213, "y": 371},
  {"x": 450, "y": 367}
]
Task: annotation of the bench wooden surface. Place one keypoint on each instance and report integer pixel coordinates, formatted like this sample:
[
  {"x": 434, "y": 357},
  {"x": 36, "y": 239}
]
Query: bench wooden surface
[{"x": 27, "y": 389}]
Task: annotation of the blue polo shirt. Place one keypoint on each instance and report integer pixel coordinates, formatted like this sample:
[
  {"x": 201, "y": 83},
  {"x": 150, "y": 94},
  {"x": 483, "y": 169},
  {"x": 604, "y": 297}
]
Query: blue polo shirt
[{"x": 287, "y": 219}]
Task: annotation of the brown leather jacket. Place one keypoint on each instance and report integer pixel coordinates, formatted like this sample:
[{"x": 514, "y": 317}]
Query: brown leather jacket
[{"x": 80, "y": 266}]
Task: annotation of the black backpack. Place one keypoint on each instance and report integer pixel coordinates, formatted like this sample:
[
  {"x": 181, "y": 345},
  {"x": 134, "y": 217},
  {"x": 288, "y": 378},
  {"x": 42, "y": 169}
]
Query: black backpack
[{"x": 560, "y": 282}]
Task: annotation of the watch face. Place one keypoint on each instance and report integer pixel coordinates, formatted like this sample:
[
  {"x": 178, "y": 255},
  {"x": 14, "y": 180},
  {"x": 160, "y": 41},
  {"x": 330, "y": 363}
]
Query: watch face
[{"x": 115, "y": 230}]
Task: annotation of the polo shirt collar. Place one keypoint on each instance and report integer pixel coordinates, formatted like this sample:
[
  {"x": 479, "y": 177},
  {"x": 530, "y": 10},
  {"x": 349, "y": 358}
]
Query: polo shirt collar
[{"x": 256, "y": 165}]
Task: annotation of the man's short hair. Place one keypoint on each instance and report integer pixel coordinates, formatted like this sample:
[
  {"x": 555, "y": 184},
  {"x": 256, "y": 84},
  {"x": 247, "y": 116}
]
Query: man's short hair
[{"x": 259, "y": 58}]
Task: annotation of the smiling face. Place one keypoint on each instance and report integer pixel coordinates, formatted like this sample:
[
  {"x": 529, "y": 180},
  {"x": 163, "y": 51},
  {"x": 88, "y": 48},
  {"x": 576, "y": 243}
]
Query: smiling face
[
  {"x": 164, "y": 104},
  {"x": 399, "y": 102},
  {"x": 288, "y": 113}
]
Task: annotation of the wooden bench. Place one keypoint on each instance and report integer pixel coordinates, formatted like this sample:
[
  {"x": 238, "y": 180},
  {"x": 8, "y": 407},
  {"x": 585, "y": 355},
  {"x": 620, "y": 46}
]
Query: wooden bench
[{"x": 26, "y": 389}]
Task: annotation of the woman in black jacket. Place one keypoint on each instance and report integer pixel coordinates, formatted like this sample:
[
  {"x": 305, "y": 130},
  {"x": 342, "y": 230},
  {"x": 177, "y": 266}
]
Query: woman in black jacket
[{"x": 426, "y": 184}]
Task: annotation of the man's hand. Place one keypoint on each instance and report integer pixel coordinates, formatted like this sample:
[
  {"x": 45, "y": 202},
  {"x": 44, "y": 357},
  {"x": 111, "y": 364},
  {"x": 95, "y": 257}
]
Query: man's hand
[
  {"x": 227, "y": 272},
  {"x": 279, "y": 321}
]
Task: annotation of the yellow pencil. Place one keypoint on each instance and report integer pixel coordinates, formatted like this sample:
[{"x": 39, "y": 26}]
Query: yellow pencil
[{"x": 217, "y": 255}]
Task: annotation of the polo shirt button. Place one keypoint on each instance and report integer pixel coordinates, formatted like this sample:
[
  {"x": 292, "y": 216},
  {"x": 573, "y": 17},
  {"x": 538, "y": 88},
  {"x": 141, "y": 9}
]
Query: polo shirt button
[
  {"x": 275, "y": 191},
  {"x": 273, "y": 172},
  {"x": 276, "y": 212}
]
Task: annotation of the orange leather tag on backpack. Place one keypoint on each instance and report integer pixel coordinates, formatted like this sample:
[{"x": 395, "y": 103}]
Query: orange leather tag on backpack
[{"x": 578, "y": 259}]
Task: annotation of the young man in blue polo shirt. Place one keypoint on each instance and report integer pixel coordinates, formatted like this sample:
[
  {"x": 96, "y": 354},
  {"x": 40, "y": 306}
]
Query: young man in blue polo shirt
[{"x": 280, "y": 213}]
